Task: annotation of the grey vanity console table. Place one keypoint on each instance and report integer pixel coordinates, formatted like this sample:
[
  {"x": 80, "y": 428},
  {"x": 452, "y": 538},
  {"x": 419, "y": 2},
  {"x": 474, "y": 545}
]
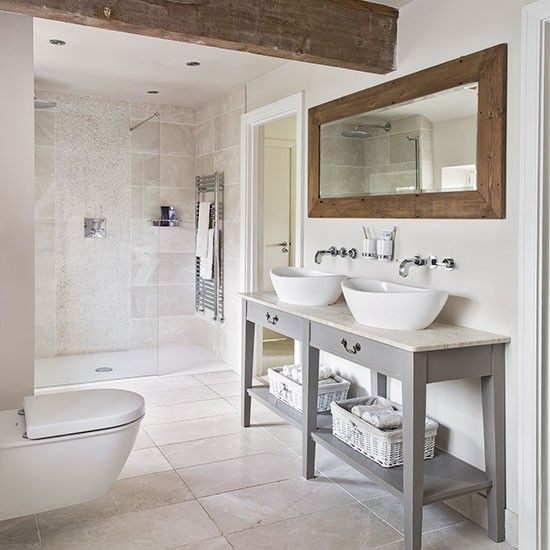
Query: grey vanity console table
[{"x": 416, "y": 358}]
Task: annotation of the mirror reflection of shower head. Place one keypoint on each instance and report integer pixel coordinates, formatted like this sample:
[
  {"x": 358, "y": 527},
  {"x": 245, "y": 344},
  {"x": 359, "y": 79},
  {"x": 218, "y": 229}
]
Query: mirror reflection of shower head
[{"x": 360, "y": 131}]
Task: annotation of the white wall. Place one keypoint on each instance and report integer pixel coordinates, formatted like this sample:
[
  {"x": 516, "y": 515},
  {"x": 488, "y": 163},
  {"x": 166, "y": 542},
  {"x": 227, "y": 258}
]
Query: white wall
[
  {"x": 16, "y": 210},
  {"x": 484, "y": 287}
]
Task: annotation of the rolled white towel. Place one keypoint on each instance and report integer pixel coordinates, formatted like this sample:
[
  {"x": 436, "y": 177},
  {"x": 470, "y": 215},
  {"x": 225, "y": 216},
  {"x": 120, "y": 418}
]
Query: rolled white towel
[
  {"x": 295, "y": 373},
  {"x": 383, "y": 420},
  {"x": 359, "y": 410}
]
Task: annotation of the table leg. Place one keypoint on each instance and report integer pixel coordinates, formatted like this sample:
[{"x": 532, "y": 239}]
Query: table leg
[
  {"x": 378, "y": 384},
  {"x": 492, "y": 391},
  {"x": 414, "y": 414},
  {"x": 247, "y": 366},
  {"x": 310, "y": 389}
]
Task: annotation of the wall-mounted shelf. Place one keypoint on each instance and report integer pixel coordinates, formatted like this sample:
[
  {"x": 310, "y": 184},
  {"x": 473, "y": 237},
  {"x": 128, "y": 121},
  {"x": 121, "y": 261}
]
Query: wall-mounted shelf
[{"x": 165, "y": 223}]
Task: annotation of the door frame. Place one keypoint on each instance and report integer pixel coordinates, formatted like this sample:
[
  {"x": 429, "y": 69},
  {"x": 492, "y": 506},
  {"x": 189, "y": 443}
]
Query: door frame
[
  {"x": 533, "y": 292},
  {"x": 251, "y": 125}
]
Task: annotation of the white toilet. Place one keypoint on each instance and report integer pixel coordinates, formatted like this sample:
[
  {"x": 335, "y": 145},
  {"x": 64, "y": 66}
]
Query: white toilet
[{"x": 65, "y": 449}]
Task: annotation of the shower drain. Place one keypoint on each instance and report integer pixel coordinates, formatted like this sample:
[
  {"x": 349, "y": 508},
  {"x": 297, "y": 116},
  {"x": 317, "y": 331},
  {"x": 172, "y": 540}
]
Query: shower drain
[{"x": 103, "y": 369}]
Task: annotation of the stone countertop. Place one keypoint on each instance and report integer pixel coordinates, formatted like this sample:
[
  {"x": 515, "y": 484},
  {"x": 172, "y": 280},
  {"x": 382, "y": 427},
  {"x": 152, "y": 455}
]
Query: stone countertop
[{"x": 438, "y": 336}]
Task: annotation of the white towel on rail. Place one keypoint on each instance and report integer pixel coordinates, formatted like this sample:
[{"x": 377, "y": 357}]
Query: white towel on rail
[
  {"x": 202, "y": 229},
  {"x": 207, "y": 262}
]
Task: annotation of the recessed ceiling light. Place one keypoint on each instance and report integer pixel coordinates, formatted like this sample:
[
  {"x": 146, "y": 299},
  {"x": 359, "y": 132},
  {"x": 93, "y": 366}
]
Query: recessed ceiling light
[
  {"x": 192, "y": 63},
  {"x": 152, "y": 91},
  {"x": 57, "y": 42}
]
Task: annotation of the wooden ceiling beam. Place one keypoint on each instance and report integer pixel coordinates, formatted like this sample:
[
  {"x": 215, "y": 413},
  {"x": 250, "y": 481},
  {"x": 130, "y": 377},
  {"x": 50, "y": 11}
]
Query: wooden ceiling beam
[{"x": 352, "y": 34}]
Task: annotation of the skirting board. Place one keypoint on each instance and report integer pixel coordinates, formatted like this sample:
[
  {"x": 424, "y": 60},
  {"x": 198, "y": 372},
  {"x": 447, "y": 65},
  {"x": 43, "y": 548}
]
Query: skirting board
[{"x": 474, "y": 507}]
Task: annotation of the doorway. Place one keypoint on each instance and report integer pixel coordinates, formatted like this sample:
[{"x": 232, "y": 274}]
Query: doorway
[
  {"x": 278, "y": 184},
  {"x": 272, "y": 175}
]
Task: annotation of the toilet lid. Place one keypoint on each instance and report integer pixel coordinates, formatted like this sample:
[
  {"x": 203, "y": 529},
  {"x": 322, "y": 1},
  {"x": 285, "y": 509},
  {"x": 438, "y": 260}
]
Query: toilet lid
[{"x": 72, "y": 412}]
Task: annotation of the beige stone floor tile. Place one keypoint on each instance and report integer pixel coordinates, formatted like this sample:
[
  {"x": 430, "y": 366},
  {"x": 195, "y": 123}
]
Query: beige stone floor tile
[
  {"x": 436, "y": 516},
  {"x": 265, "y": 504},
  {"x": 26, "y": 542},
  {"x": 285, "y": 433},
  {"x": 219, "y": 543},
  {"x": 179, "y": 381},
  {"x": 22, "y": 530},
  {"x": 143, "y": 441},
  {"x": 215, "y": 449},
  {"x": 189, "y": 430},
  {"x": 127, "y": 495},
  {"x": 260, "y": 415},
  {"x": 218, "y": 377},
  {"x": 144, "y": 461},
  {"x": 158, "y": 528},
  {"x": 346, "y": 477},
  {"x": 227, "y": 389},
  {"x": 350, "y": 527},
  {"x": 187, "y": 411},
  {"x": 162, "y": 397},
  {"x": 240, "y": 473},
  {"x": 460, "y": 537}
]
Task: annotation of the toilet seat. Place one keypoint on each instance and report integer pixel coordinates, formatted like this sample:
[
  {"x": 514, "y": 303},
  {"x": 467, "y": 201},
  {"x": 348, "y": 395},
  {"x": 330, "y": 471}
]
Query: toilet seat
[{"x": 73, "y": 412}]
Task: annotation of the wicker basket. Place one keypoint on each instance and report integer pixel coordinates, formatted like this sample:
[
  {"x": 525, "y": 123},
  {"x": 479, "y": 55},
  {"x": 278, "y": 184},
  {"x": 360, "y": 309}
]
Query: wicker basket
[
  {"x": 383, "y": 446},
  {"x": 290, "y": 392}
]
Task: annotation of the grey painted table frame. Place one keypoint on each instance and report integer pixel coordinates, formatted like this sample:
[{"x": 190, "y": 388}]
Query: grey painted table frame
[{"x": 415, "y": 370}]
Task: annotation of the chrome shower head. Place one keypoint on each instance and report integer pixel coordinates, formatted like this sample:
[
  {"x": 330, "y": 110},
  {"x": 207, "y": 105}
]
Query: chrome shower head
[{"x": 360, "y": 130}]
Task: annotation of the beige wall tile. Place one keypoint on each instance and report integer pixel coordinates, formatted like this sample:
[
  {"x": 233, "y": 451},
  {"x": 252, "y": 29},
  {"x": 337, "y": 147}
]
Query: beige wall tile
[
  {"x": 177, "y": 171},
  {"x": 145, "y": 301},
  {"x": 44, "y": 128},
  {"x": 146, "y": 138},
  {"x": 176, "y": 300},
  {"x": 228, "y": 161},
  {"x": 178, "y": 139},
  {"x": 205, "y": 138},
  {"x": 145, "y": 168},
  {"x": 176, "y": 268},
  {"x": 228, "y": 129},
  {"x": 177, "y": 330},
  {"x": 44, "y": 241},
  {"x": 182, "y": 199},
  {"x": 205, "y": 165},
  {"x": 144, "y": 333}
]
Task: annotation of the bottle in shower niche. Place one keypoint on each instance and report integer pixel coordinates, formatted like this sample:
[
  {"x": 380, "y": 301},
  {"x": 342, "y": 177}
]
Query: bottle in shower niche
[
  {"x": 172, "y": 217},
  {"x": 165, "y": 216}
]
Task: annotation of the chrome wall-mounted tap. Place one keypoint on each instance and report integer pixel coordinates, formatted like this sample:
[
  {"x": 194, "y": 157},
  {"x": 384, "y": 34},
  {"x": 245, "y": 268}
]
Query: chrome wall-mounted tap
[
  {"x": 430, "y": 262},
  {"x": 333, "y": 251}
]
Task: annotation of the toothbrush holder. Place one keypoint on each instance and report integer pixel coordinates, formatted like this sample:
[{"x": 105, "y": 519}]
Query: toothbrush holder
[
  {"x": 369, "y": 248},
  {"x": 384, "y": 249}
]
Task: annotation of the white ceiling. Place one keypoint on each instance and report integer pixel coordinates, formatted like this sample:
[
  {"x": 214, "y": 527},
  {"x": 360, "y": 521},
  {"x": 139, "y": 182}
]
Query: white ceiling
[{"x": 120, "y": 65}]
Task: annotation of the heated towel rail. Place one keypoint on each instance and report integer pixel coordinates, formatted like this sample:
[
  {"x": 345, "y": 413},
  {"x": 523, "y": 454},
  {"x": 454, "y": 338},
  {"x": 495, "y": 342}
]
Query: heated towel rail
[{"x": 209, "y": 292}]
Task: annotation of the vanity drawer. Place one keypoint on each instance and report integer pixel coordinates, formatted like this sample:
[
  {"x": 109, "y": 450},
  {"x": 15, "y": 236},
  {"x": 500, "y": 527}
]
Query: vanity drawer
[
  {"x": 362, "y": 351},
  {"x": 278, "y": 321}
]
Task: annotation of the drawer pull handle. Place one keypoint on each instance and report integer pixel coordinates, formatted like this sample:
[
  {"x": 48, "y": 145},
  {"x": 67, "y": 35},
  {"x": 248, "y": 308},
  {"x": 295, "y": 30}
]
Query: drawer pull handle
[
  {"x": 271, "y": 321},
  {"x": 354, "y": 349}
]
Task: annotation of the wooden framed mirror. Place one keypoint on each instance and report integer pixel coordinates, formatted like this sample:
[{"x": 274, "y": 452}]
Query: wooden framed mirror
[{"x": 428, "y": 145}]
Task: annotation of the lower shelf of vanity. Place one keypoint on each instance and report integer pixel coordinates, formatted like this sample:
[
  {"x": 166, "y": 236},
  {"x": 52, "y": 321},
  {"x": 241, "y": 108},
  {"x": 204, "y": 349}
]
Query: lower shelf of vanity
[{"x": 445, "y": 476}]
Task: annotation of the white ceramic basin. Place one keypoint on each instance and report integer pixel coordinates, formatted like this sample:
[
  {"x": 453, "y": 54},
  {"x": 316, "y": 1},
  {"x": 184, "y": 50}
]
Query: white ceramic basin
[
  {"x": 306, "y": 287},
  {"x": 389, "y": 305}
]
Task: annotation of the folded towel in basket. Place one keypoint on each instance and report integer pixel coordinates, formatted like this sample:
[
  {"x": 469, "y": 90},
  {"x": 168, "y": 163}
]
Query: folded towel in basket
[
  {"x": 295, "y": 372},
  {"x": 380, "y": 415}
]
